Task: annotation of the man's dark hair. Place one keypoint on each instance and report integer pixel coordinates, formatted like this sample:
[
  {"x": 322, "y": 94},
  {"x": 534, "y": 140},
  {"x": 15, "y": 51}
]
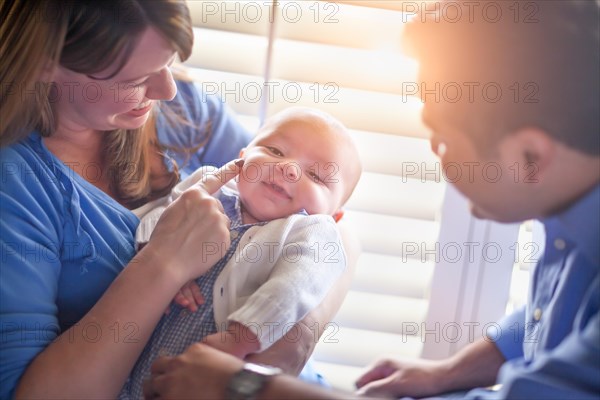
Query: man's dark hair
[{"x": 543, "y": 55}]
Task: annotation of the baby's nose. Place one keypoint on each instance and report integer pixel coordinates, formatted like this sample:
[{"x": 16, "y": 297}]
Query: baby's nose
[{"x": 291, "y": 171}]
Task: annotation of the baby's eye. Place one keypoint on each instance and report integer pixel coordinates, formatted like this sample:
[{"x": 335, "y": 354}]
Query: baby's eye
[
  {"x": 140, "y": 83},
  {"x": 275, "y": 151},
  {"x": 315, "y": 177}
]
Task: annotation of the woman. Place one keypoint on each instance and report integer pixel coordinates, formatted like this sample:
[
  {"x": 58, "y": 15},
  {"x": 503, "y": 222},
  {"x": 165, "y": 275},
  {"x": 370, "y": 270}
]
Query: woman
[{"x": 77, "y": 304}]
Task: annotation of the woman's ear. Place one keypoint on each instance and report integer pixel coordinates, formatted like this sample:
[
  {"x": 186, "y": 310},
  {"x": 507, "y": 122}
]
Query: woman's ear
[
  {"x": 537, "y": 153},
  {"x": 48, "y": 71}
]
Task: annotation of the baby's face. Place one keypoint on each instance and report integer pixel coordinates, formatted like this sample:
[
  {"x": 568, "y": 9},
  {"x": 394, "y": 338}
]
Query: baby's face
[{"x": 293, "y": 166}]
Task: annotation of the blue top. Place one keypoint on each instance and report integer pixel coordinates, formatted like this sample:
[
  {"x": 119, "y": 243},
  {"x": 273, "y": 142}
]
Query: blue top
[
  {"x": 553, "y": 346},
  {"x": 196, "y": 114},
  {"x": 63, "y": 240}
]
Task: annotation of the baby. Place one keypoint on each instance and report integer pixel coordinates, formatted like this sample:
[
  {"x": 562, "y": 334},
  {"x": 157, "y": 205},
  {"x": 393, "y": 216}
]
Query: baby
[{"x": 285, "y": 251}]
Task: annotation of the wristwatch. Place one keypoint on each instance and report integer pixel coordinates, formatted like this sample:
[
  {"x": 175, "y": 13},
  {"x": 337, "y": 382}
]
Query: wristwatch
[{"x": 247, "y": 383}]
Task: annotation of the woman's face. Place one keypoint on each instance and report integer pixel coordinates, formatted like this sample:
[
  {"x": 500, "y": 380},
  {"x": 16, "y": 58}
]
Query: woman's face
[{"x": 123, "y": 101}]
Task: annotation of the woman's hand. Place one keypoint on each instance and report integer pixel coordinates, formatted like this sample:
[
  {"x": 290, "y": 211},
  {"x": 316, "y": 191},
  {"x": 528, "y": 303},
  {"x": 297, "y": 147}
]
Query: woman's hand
[{"x": 193, "y": 232}]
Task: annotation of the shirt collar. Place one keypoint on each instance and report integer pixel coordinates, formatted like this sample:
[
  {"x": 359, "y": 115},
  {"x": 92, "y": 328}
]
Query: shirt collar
[
  {"x": 581, "y": 224},
  {"x": 230, "y": 199},
  {"x": 231, "y": 206}
]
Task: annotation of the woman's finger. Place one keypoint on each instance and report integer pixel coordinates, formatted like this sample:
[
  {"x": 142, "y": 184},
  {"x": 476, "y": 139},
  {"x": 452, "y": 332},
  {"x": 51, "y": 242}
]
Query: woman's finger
[{"x": 214, "y": 180}]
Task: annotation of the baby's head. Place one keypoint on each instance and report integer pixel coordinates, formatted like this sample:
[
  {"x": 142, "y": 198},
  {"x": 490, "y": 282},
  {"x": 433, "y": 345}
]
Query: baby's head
[{"x": 301, "y": 159}]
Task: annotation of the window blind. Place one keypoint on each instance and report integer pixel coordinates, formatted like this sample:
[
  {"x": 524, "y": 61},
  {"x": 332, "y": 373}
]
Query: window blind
[{"x": 528, "y": 251}]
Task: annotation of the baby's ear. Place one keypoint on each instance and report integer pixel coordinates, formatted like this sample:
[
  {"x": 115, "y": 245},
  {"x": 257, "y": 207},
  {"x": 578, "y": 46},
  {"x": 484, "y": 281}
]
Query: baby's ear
[
  {"x": 337, "y": 216},
  {"x": 242, "y": 152}
]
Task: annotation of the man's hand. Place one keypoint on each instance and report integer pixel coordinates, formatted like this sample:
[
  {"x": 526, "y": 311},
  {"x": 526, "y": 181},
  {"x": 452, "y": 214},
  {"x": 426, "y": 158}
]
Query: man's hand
[
  {"x": 201, "y": 372},
  {"x": 475, "y": 365},
  {"x": 395, "y": 378}
]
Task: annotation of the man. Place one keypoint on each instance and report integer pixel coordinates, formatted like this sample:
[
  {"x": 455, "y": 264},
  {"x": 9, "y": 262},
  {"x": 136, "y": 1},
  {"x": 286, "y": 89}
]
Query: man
[{"x": 530, "y": 104}]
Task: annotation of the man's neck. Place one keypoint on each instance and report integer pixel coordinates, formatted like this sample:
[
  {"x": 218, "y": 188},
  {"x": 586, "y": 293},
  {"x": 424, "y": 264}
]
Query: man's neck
[{"x": 576, "y": 175}]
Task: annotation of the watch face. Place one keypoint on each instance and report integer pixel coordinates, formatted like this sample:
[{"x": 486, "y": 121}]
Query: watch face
[{"x": 248, "y": 382}]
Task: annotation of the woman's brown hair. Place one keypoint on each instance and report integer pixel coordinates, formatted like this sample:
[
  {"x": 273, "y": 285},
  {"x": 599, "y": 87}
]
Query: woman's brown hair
[
  {"x": 99, "y": 35},
  {"x": 32, "y": 35}
]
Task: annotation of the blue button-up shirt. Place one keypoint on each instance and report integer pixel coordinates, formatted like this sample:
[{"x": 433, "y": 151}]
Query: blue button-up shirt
[{"x": 552, "y": 346}]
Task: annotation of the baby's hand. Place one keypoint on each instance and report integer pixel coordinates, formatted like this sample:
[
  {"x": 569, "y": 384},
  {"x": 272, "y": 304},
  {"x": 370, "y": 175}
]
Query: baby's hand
[
  {"x": 189, "y": 296},
  {"x": 237, "y": 340},
  {"x": 228, "y": 343},
  {"x": 220, "y": 341}
]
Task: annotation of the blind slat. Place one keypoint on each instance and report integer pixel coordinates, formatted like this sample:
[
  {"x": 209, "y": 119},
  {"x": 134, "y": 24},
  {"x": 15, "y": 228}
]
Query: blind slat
[
  {"x": 397, "y": 195},
  {"x": 335, "y": 24},
  {"x": 228, "y": 51},
  {"x": 394, "y": 276},
  {"x": 358, "y": 347},
  {"x": 234, "y": 89},
  {"x": 249, "y": 18},
  {"x": 393, "y": 5},
  {"x": 357, "y": 109},
  {"x": 394, "y": 235},
  {"x": 374, "y": 311},
  {"x": 397, "y": 155}
]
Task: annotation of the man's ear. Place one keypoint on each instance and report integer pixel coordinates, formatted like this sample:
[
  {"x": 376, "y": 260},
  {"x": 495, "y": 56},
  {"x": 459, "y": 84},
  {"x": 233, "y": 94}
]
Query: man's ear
[{"x": 537, "y": 152}]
